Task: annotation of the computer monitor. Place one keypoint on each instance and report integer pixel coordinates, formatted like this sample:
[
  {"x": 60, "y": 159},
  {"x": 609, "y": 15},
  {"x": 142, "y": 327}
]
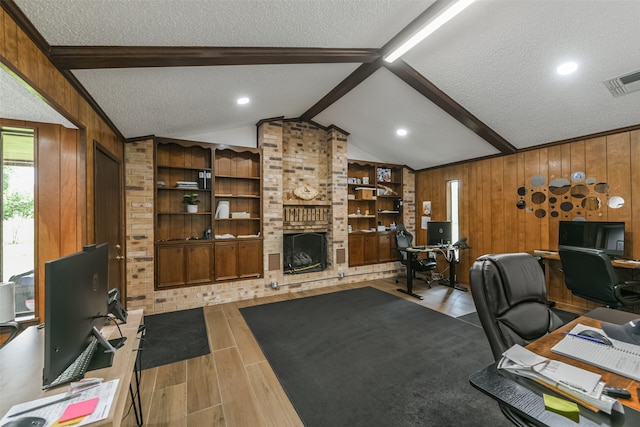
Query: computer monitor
[
  {"x": 76, "y": 301},
  {"x": 438, "y": 233},
  {"x": 607, "y": 236}
]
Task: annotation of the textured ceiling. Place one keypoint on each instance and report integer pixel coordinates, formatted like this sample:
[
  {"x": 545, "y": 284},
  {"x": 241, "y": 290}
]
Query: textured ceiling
[
  {"x": 18, "y": 103},
  {"x": 496, "y": 61}
]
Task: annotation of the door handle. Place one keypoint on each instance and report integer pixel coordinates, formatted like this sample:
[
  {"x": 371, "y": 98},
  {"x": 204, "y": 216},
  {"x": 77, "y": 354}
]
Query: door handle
[{"x": 119, "y": 257}]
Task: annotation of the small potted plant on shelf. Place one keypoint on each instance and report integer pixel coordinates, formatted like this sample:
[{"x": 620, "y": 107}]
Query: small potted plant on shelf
[{"x": 192, "y": 201}]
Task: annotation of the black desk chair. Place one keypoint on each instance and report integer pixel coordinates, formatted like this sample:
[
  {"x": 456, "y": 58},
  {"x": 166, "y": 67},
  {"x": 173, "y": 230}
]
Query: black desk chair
[
  {"x": 404, "y": 239},
  {"x": 589, "y": 274},
  {"x": 510, "y": 295}
]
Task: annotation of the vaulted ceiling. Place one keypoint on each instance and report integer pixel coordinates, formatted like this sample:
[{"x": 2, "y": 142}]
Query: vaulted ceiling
[{"x": 483, "y": 84}]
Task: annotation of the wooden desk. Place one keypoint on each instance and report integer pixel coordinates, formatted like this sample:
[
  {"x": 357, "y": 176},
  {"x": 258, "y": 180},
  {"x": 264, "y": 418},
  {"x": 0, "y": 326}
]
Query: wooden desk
[
  {"x": 557, "y": 290},
  {"x": 525, "y": 396},
  {"x": 450, "y": 255},
  {"x": 619, "y": 263},
  {"x": 22, "y": 360}
]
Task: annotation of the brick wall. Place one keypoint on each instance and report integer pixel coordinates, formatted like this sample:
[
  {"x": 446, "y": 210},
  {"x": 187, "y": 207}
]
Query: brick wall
[{"x": 293, "y": 153}]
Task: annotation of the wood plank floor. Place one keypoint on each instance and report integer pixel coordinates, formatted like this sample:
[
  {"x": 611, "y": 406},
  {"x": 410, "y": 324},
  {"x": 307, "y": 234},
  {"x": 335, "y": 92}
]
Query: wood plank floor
[{"x": 234, "y": 386}]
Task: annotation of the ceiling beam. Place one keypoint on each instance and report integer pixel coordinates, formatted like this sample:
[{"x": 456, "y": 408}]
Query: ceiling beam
[
  {"x": 352, "y": 80},
  {"x": 92, "y": 57},
  {"x": 417, "y": 81}
]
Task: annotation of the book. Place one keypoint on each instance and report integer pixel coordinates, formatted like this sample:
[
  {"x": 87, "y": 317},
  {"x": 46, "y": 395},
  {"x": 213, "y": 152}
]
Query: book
[{"x": 621, "y": 358}]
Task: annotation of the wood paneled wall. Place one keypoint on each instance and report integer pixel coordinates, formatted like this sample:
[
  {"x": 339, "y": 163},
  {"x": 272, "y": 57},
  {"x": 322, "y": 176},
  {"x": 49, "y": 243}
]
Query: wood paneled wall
[
  {"x": 489, "y": 193},
  {"x": 64, "y": 205}
]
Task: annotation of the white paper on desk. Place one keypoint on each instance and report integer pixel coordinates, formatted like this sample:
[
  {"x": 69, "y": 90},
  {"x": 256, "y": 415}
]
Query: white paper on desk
[
  {"x": 105, "y": 393},
  {"x": 570, "y": 376},
  {"x": 584, "y": 385},
  {"x": 621, "y": 358}
]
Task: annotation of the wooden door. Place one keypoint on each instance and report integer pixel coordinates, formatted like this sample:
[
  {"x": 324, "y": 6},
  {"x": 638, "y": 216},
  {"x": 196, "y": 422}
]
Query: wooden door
[
  {"x": 170, "y": 266},
  {"x": 108, "y": 213},
  {"x": 356, "y": 250},
  {"x": 226, "y": 260},
  {"x": 370, "y": 248},
  {"x": 384, "y": 247},
  {"x": 250, "y": 258},
  {"x": 199, "y": 264}
]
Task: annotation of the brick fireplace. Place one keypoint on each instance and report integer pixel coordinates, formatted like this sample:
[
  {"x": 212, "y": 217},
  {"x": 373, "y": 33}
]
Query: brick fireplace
[
  {"x": 304, "y": 253},
  {"x": 293, "y": 153}
]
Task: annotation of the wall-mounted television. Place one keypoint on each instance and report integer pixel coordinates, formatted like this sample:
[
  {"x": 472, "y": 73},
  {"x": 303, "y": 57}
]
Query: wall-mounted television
[
  {"x": 76, "y": 301},
  {"x": 438, "y": 233},
  {"x": 607, "y": 236}
]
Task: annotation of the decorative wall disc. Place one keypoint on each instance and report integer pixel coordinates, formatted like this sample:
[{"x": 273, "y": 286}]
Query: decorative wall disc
[{"x": 305, "y": 192}]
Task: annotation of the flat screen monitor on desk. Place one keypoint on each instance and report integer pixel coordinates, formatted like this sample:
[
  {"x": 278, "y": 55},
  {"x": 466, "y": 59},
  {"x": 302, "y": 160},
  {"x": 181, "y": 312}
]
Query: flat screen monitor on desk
[
  {"x": 607, "y": 236},
  {"x": 438, "y": 233},
  {"x": 76, "y": 301}
]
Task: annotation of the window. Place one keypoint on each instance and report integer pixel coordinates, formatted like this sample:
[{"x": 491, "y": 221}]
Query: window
[
  {"x": 453, "y": 192},
  {"x": 18, "y": 240}
]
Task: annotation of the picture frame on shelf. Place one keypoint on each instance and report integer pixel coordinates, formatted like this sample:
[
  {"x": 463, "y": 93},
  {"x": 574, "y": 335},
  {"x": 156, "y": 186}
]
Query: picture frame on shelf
[{"x": 384, "y": 175}]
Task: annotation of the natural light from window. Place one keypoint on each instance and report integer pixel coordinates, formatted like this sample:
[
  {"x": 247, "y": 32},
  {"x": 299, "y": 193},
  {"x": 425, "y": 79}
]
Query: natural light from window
[
  {"x": 453, "y": 192},
  {"x": 18, "y": 215}
]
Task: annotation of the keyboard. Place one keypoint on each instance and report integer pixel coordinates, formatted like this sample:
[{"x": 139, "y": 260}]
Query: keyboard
[
  {"x": 419, "y": 247},
  {"x": 78, "y": 367}
]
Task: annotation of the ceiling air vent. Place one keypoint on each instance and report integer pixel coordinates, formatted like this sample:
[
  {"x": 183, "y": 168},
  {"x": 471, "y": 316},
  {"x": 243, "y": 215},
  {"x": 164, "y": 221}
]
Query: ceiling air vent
[{"x": 624, "y": 84}]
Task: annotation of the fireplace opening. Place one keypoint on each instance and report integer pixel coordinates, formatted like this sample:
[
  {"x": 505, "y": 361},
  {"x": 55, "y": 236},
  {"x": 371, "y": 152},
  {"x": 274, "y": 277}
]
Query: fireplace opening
[{"x": 304, "y": 253}]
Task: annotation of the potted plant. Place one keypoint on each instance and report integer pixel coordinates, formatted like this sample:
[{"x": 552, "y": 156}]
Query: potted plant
[{"x": 192, "y": 201}]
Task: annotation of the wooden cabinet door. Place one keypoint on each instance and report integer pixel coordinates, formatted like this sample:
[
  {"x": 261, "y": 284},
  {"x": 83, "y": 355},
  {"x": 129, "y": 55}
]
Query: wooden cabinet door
[
  {"x": 199, "y": 264},
  {"x": 250, "y": 258},
  {"x": 170, "y": 266},
  {"x": 356, "y": 250},
  {"x": 226, "y": 260},
  {"x": 384, "y": 247},
  {"x": 370, "y": 248}
]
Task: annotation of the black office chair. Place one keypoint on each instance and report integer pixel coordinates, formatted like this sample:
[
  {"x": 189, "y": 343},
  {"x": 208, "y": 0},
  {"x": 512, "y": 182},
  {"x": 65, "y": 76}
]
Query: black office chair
[
  {"x": 404, "y": 239},
  {"x": 510, "y": 296},
  {"x": 589, "y": 274}
]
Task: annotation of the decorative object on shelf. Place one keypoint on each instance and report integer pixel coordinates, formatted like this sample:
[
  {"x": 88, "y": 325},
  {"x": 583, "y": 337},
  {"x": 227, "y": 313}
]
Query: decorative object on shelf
[
  {"x": 240, "y": 215},
  {"x": 222, "y": 211},
  {"x": 161, "y": 183},
  {"x": 192, "y": 202},
  {"x": 384, "y": 175},
  {"x": 365, "y": 179},
  {"x": 208, "y": 233},
  {"x": 186, "y": 184},
  {"x": 305, "y": 192},
  {"x": 383, "y": 190}
]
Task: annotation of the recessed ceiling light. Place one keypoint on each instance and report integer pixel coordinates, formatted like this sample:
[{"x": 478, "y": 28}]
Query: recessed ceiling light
[
  {"x": 401, "y": 132},
  {"x": 567, "y": 68},
  {"x": 243, "y": 100}
]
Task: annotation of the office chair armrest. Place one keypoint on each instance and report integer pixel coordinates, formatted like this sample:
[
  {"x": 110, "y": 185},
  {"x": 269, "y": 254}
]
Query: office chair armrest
[{"x": 628, "y": 284}]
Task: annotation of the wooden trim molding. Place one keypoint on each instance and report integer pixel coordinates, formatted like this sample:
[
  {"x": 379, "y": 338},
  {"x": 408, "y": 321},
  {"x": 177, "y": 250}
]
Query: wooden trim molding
[
  {"x": 351, "y": 81},
  {"x": 92, "y": 57},
  {"x": 417, "y": 81},
  {"x": 23, "y": 22}
]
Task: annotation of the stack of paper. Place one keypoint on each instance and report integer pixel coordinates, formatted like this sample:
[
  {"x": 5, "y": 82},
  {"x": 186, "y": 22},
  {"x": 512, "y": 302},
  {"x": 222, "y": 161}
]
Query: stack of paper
[
  {"x": 579, "y": 384},
  {"x": 621, "y": 358}
]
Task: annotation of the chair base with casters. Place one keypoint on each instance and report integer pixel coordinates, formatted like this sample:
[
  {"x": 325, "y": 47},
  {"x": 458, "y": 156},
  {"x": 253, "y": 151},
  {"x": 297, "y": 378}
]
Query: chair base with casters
[{"x": 423, "y": 266}]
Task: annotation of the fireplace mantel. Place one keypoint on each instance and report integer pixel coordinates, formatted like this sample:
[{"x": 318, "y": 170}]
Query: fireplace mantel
[{"x": 306, "y": 203}]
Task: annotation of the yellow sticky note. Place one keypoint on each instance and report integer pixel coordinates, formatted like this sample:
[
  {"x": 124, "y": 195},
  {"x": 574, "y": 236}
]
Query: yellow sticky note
[{"x": 563, "y": 407}]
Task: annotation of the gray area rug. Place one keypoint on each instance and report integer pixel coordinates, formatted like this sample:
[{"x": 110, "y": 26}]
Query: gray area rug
[
  {"x": 172, "y": 337},
  {"x": 364, "y": 357}
]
